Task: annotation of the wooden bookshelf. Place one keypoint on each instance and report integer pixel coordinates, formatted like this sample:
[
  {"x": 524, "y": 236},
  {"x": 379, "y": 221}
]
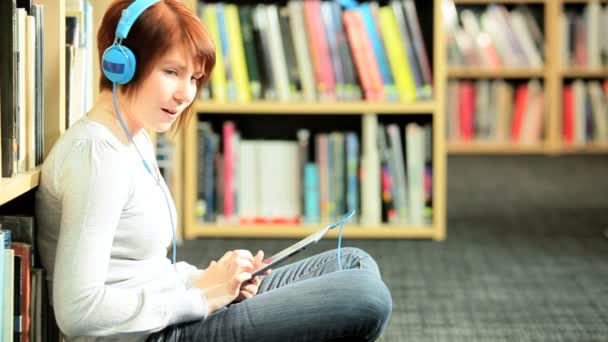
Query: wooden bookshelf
[
  {"x": 482, "y": 2},
  {"x": 287, "y": 231},
  {"x": 584, "y": 73},
  {"x": 470, "y": 72},
  {"x": 11, "y": 188},
  {"x": 266, "y": 107},
  {"x": 54, "y": 96},
  {"x": 553, "y": 75},
  {"x": 434, "y": 108},
  {"x": 496, "y": 148},
  {"x": 582, "y": 1}
]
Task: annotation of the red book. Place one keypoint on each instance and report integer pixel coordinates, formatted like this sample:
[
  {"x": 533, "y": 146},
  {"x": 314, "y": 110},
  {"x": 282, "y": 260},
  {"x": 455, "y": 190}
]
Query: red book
[
  {"x": 363, "y": 56},
  {"x": 521, "y": 102},
  {"x": 319, "y": 50},
  {"x": 25, "y": 251},
  {"x": 229, "y": 149},
  {"x": 568, "y": 115},
  {"x": 466, "y": 110}
]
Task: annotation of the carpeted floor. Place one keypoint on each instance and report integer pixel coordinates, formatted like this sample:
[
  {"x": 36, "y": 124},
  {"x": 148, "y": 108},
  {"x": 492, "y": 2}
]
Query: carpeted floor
[{"x": 526, "y": 257}]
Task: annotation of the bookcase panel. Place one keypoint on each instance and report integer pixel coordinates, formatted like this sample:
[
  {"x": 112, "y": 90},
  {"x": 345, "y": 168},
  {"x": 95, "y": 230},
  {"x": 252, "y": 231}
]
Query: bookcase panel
[
  {"x": 566, "y": 61},
  {"x": 268, "y": 119}
]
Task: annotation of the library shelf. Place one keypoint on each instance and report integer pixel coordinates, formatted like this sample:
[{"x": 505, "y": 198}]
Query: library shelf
[
  {"x": 582, "y": 1},
  {"x": 589, "y": 148},
  {"x": 358, "y": 107},
  {"x": 585, "y": 72},
  {"x": 14, "y": 187},
  {"x": 472, "y": 72},
  {"x": 495, "y": 148},
  {"x": 299, "y": 231},
  {"x": 487, "y": 2}
]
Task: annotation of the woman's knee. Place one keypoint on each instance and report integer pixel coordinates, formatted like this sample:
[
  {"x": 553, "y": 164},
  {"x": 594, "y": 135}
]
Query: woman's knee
[
  {"x": 358, "y": 258},
  {"x": 368, "y": 302}
]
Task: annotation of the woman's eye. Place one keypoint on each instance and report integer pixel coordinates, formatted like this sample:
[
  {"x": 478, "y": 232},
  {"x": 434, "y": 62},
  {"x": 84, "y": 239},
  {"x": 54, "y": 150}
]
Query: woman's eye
[{"x": 171, "y": 72}]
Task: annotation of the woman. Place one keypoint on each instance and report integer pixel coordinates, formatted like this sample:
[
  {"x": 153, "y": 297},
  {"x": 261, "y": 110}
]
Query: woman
[{"x": 104, "y": 228}]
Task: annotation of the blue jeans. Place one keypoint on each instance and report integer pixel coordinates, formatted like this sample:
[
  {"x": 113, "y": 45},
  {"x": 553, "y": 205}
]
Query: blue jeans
[{"x": 309, "y": 300}]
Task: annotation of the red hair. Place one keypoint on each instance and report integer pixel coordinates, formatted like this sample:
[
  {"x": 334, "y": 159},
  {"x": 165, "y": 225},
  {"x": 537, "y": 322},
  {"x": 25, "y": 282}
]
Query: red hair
[{"x": 163, "y": 26}]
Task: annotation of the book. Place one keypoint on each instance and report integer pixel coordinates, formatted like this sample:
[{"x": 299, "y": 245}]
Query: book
[{"x": 8, "y": 96}]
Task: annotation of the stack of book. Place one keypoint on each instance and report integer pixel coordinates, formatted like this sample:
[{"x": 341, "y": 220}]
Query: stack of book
[{"x": 314, "y": 50}]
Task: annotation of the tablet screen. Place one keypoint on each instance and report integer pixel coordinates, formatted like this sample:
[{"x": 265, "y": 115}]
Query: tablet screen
[{"x": 299, "y": 246}]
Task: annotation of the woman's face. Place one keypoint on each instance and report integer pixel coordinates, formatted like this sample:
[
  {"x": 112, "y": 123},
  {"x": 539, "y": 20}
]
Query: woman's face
[{"x": 166, "y": 92}]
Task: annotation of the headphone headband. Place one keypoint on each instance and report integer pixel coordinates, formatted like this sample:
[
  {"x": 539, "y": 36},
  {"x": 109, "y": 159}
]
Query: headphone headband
[{"x": 130, "y": 15}]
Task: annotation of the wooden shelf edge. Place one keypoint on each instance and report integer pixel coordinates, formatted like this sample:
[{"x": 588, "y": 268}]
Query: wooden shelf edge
[
  {"x": 265, "y": 107},
  {"x": 581, "y": 1},
  {"x": 481, "y": 2},
  {"x": 11, "y": 188},
  {"x": 471, "y": 72},
  {"x": 487, "y": 148},
  {"x": 286, "y": 232},
  {"x": 591, "y": 148},
  {"x": 584, "y": 72}
]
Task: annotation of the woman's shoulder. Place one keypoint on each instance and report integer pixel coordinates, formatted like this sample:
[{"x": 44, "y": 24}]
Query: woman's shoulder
[
  {"x": 86, "y": 143},
  {"x": 88, "y": 136}
]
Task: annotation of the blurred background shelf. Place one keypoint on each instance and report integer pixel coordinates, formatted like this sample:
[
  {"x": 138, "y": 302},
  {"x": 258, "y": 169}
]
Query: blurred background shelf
[
  {"x": 494, "y": 148},
  {"x": 472, "y": 72},
  {"x": 268, "y": 107},
  {"x": 291, "y": 231}
]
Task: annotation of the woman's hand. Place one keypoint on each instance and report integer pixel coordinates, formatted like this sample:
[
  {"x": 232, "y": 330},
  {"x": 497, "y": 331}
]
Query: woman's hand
[
  {"x": 251, "y": 287},
  {"x": 221, "y": 281}
]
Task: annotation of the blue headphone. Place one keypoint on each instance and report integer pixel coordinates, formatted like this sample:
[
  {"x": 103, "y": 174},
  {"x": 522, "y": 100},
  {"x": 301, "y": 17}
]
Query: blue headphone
[
  {"x": 118, "y": 65},
  {"x": 118, "y": 61}
]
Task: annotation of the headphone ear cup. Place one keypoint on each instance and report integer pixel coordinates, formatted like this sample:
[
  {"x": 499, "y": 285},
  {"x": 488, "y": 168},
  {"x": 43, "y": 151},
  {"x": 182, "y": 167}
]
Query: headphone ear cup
[{"x": 118, "y": 64}]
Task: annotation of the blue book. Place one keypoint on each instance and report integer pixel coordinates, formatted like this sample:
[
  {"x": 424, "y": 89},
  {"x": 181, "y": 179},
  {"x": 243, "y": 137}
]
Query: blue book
[
  {"x": 6, "y": 239},
  {"x": 352, "y": 172},
  {"x": 378, "y": 47},
  {"x": 312, "y": 213},
  {"x": 211, "y": 142},
  {"x": 1, "y": 283},
  {"x": 221, "y": 23}
]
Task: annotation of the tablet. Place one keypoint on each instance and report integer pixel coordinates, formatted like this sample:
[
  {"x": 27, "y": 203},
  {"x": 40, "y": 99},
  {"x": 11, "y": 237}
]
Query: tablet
[{"x": 299, "y": 246}]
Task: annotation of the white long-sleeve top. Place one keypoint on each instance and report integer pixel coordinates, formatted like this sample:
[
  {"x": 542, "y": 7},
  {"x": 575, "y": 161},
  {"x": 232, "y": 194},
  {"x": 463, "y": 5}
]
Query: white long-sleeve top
[{"x": 104, "y": 229}]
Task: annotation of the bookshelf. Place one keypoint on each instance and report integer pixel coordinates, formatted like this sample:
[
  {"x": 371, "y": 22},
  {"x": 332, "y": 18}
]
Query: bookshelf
[
  {"x": 54, "y": 92},
  {"x": 431, "y": 109},
  {"x": 11, "y": 188},
  {"x": 554, "y": 74}
]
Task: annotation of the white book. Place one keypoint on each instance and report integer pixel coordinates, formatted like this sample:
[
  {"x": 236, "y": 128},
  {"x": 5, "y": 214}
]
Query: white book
[
  {"x": 277, "y": 54},
  {"x": 507, "y": 57},
  {"x": 30, "y": 92},
  {"x": 593, "y": 31},
  {"x": 279, "y": 181},
  {"x": 482, "y": 114},
  {"x": 371, "y": 207},
  {"x": 249, "y": 190},
  {"x": 580, "y": 93},
  {"x": 398, "y": 173},
  {"x": 533, "y": 117},
  {"x": 414, "y": 137},
  {"x": 598, "y": 108},
  {"x": 518, "y": 22},
  {"x": 8, "y": 293},
  {"x": 302, "y": 52},
  {"x": 604, "y": 42},
  {"x": 21, "y": 89},
  {"x": 74, "y": 5},
  {"x": 89, "y": 44},
  {"x": 565, "y": 39}
]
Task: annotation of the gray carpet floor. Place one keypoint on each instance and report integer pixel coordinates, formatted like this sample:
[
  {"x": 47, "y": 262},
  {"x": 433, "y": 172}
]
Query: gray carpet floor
[{"x": 525, "y": 259}]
